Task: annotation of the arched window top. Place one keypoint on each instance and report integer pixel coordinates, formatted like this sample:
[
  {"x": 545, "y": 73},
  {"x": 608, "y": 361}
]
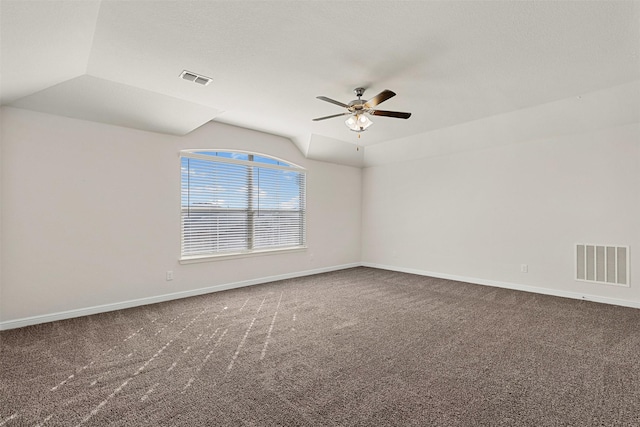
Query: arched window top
[{"x": 243, "y": 156}]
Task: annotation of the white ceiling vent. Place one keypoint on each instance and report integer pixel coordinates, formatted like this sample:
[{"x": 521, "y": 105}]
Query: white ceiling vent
[
  {"x": 606, "y": 264},
  {"x": 196, "y": 78}
]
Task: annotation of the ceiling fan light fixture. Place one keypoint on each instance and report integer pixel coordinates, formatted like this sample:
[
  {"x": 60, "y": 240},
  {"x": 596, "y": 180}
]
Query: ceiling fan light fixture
[{"x": 358, "y": 123}]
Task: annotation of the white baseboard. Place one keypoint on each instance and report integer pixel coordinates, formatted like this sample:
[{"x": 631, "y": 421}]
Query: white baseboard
[
  {"x": 62, "y": 315},
  {"x": 19, "y": 323},
  {"x": 507, "y": 285}
]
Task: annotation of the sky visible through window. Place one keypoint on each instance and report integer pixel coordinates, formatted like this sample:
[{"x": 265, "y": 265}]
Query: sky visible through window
[
  {"x": 225, "y": 185},
  {"x": 238, "y": 202}
]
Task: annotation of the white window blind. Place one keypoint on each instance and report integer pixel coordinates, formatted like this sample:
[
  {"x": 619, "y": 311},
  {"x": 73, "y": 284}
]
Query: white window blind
[{"x": 240, "y": 203}]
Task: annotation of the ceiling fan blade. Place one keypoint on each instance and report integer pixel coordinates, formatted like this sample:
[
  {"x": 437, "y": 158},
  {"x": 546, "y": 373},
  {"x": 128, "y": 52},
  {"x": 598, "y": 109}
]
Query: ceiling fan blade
[
  {"x": 333, "y": 101},
  {"x": 379, "y": 98},
  {"x": 330, "y": 117},
  {"x": 396, "y": 114}
]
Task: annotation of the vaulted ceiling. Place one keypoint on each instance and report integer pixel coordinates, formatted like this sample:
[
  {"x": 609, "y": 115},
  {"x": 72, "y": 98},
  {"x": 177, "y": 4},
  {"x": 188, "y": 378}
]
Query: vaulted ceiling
[{"x": 450, "y": 63}]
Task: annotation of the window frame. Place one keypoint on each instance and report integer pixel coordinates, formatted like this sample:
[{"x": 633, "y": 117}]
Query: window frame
[{"x": 290, "y": 166}]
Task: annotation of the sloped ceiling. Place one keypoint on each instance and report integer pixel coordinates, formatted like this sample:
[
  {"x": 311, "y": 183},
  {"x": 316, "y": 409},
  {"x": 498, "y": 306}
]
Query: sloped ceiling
[{"x": 450, "y": 63}]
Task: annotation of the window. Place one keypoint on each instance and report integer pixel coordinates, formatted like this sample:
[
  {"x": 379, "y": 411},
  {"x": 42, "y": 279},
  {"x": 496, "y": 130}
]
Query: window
[{"x": 237, "y": 203}]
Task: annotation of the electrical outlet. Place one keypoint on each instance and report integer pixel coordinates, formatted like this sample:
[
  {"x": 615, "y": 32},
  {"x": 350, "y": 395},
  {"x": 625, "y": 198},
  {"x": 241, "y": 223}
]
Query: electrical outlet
[
  {"x": 524, "y": 268},
  {"x": 169, "y": 275}
]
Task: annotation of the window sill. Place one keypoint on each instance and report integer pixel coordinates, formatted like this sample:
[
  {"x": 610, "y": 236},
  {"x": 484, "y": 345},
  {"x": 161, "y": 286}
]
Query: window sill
[{"x": 225, "y": 257}]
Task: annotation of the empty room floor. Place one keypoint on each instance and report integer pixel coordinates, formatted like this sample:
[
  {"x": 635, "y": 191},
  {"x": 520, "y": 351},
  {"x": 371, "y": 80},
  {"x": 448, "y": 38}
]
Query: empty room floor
[{"x": 357, "y": 347}]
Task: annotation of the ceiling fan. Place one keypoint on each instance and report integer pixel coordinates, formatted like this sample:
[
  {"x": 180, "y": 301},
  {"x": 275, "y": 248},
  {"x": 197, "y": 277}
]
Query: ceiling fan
[{"x": 358, "y": 108}]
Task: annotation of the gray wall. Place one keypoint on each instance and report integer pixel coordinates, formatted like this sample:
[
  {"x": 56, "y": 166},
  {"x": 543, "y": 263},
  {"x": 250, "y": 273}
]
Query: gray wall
[
  {"x": 504, "y": 199},
  {"x": 91, "y": 214}
]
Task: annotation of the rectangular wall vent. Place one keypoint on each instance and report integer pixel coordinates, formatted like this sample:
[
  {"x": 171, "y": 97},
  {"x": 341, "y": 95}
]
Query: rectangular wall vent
[
  {"x": 606, "y": 264},
  {"x": 196, "y": 78}
]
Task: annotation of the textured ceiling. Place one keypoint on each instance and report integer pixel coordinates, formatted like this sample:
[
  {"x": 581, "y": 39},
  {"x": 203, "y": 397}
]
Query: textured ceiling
[{"x": 449, "y": 62}]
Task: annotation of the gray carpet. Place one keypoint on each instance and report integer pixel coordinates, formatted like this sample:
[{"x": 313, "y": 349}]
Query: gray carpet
[{"x": 358, "y": 347}]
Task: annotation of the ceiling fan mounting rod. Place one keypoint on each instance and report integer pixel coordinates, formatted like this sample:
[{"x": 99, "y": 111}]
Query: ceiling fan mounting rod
[{"x": 357, "y": 105}]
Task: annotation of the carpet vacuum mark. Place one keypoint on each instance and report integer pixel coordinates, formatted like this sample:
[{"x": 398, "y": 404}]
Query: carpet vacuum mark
[{"x": 357, "y": 347}]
